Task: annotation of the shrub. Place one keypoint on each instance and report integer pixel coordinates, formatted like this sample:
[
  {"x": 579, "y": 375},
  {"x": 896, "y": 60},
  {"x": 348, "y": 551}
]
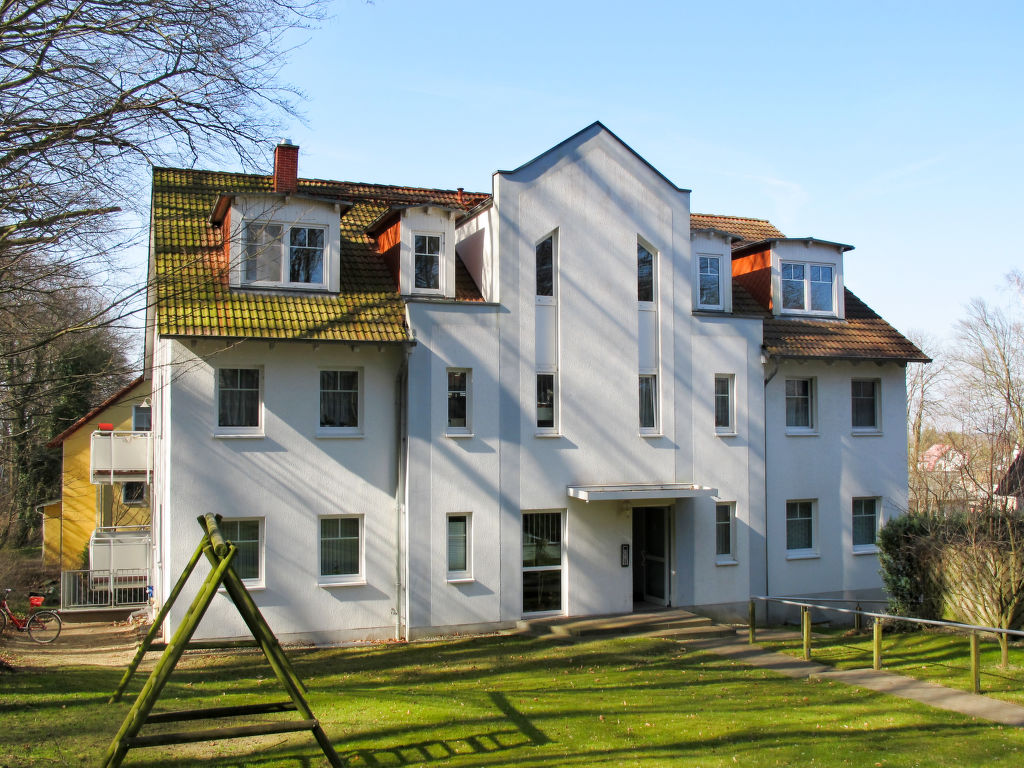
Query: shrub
[{"x": 904, "y": 553}]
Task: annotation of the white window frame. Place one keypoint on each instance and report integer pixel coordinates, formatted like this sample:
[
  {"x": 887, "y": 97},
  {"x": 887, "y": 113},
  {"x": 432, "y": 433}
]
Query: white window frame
[
  {"x": 865, "y": 549},
  {"x": 553, "y": 298},
  {"x": 284, "y": 243},
  {"x": 803, "y": 553},
  {"x": 806, "y": 280},
  {"x": 467, "y": 430},
  {"x": 260, "y": 581},
  {"x": 341, "y": 579},
  {"x": 727, "y": 558},
  {"x": 459, "y": 576},
  {"x": 730, "y": 428},
  {"x": 654, "y": 429},
  {"x": 237, "y": 431},
  {"x": 553, "y": 430},
  {"x": 562, "y": 566},
  {"x": 135, "y": 417},
  {"x": 342, "y": 432},
  {"x": 876, "y": 429},
  {"x": 721, "y": 283},
  {"x": 812, "y": 406},
  {"x": 124, "y": 496},
  {"x": 439, "y": 290}
]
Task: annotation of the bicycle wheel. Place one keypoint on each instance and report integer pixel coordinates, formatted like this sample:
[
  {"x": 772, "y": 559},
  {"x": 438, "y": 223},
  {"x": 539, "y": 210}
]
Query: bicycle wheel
[{"x": 44, "y": 626}]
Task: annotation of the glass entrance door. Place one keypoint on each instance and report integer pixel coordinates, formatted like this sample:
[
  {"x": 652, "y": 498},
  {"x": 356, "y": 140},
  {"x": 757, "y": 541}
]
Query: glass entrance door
[{"x": 650, "y": 543}]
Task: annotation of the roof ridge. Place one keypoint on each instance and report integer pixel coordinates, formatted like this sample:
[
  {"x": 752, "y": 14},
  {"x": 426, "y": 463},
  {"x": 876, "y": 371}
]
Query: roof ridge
[{"x": 728, "y": 216}]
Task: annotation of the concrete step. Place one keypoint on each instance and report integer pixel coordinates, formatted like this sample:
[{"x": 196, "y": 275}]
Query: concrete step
[
  {"x": 671, "y": 622},
  {"x": 694, "y": 634}
]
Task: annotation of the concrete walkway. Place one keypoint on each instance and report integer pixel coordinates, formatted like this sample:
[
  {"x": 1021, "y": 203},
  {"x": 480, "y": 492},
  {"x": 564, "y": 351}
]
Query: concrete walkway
[{"x": 932, "y": 694}]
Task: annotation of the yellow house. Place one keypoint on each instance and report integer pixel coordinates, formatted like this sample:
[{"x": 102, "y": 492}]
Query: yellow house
[{"x": 84, "y": 507}]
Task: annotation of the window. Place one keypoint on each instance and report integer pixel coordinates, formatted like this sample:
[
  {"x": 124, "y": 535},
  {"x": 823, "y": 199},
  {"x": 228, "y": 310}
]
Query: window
[
  {"x": 723, "y": 404},
  {"x": 546, "y": 401},
  {"x": 341, "y": 549},
  {"x": 800, "y": 405},
  {"x": 459, "y": 380},
  {"x": 339, "y": 403},
  {"x": 644, "y": 274},
  {"x": 800, "y": 527},
  {"x": 238, "y": 400},
  {"x": 725, "y": 532},
  {"x": 709, "y": 282},
  {"x": 648, "y": 403},
  {"x": 542, "y": 562},
  {"x": 864, "y": 404},
  {"x": 459, "y": 547},
  {"x": 142, "y": 418},
  {"x": 865, "y": 524},
  {"x": 808, "y": 287},
  {"x": 427, "y": 261},
  {"x": 247, "y": 536},
  {"x": 133, "y": 494},
  {"x": 264, "y": 259},
  {"x": 546, "y": 267}
]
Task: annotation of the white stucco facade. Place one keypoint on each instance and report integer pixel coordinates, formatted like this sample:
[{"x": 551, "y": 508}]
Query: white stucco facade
[{"x": 451, "y": 510}]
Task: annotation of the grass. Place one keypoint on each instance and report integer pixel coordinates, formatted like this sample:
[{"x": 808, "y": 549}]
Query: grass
[
  {"x": 939, "y": 657},
  {"x": 508, "y": 702}
]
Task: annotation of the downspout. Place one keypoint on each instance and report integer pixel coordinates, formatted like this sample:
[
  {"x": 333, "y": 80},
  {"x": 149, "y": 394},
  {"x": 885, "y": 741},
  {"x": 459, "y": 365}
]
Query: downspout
[
  {"x": 771, "y": 368},
  {"x": 401, "y": 491}
]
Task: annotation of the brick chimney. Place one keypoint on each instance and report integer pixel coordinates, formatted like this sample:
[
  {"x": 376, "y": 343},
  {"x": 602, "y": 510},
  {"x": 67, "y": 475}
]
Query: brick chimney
[{"x": 286, "y": 167}]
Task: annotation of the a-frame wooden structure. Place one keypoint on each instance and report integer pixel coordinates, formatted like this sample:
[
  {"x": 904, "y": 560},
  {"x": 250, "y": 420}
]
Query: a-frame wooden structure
[{"x": 220, "y": 553}]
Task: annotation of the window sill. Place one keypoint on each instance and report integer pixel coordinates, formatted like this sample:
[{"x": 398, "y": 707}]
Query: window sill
[
  {"x": 796, "y": 432},
  {"x": 458, "y": 434},
  {"x": 289, "y": 287},
  {"x": 239, "y": 435},
  {"x": 726, "y": 561},
  {"x": 547, "y": 434},
  {"x": 251, "y": 586},
  {"x": 652, "y": 434},
  {"x": 865, "y": 550},
  {"x": 340, "y": 433},
  {"x": 726, "y": 433},
  {"x": 802, "y": 555},
  {"x": 866, "y": 433},
  {"x": 329, "y": 582},
  {"x": 460, "y": 580}
]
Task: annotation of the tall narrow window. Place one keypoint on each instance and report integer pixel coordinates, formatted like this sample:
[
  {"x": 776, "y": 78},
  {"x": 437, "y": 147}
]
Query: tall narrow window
[
  {"x": 459, "y": 541},
  {"x": 644, "y": 274},
  {"x": 546, "y": 267},
  {"x": 247, "y": 536},
  {"x": 865, "y": 523},
  {"x": 339, "y": 400},
  {"x": 458, "y": 399},
  {"x": 427, "y": 257},
  {"x": 341, "y": 548},
  {"x": 306, "y": 255},
  {"x": 821, "y": 288},
  {"x": 545, "y": 401},
  {"x": 542, "y": 562},
  {"x": 724, "y": 550},
  {"x": 238, "y": 398},
  {"x": 799, "y": 526},
  {"x": 709, "y": 282},
  {"x": 261, "y": 249},
  {"x": 648, "y": 403},
  {"x": 793, "y": 286},
  {"x": 864, "y": 404},
  {"x": 800, "y": 404},
  {"x": 724, "y": 404}
]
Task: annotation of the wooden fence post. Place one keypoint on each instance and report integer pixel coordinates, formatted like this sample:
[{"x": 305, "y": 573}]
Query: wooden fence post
[
  {"x": 805, "y": 622},
  {"x": 975, "y": 663},
  {"x": 876, "y": 644},
  {"x": 751, "y": 619}
]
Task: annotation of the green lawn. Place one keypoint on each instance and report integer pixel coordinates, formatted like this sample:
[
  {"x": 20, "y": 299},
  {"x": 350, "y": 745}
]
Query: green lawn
[
  {"x": 936, "y": 656},
  {"x": 510, "y": 702}
]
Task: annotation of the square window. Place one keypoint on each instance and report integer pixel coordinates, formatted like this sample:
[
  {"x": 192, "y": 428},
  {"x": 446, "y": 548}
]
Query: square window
[
  {"x": 799, "y": 526},
  {"x": 546, "y": 402},
  {"x": 800, "y": 405},
  {"x": 724, "y": 404},
  {"x": 306, "y": 255},
  {"x": 142, "y": 418},
  {"x": 864, "y": 402},
  {"x": 709, "y": 282},
  {"x": 133, "y": 494},
  {"x": 865, "y": 523},
  {"x": 239, "y": 404},
  {"x": 644, "y": 273},
  {"x": 546, "y": 267},
  {"x": 247, "y": 536},
  {"x": 340, "y": 401},
  {"x": 459, "y": 397},
  {"x": 427, "y": 257},
  {"x": 808, "y": 287},
  {"x": 459, "y": 546},
  {"x": 725, "y": 532},
  {"x": 341, "y": 548},
  {"x": 542, "y": 562},
  {"x": 648, "y": 403}
]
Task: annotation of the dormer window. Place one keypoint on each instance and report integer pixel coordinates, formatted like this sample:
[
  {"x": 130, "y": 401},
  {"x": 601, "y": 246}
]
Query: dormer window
[
  {"x": 264, "y": 259},
  {"x": 808, "y": 287},
  {"x": 427, "y": 257},
  {"x": 710, "y": 282}
]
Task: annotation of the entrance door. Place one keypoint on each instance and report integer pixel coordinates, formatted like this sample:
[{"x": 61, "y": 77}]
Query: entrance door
[{"x": 650, "y": 545}]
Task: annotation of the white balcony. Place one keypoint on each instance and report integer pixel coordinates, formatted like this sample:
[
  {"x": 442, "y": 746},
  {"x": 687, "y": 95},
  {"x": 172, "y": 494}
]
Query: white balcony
[{"x": 121, "y": 457}]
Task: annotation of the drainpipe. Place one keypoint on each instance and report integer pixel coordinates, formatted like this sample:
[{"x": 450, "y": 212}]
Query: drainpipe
[
  {"x": 401, "y": 490},
  {"x": 771, "y": 369}
]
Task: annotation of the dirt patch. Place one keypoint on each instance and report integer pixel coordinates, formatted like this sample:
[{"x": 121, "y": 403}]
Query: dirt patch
[{"x": 81, "y": 643}]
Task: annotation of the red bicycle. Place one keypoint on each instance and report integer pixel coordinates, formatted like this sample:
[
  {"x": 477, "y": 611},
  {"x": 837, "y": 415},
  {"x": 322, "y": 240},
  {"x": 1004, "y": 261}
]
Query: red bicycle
[{"x": 42, "y": 626}]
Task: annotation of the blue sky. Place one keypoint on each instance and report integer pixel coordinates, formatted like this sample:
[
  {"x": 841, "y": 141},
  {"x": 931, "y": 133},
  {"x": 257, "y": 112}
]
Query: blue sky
[{"x": 895, "y": 127}]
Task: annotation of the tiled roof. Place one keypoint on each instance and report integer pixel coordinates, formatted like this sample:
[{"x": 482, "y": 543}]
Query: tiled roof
[
  {"x": 193, "y": 297},
  {"x": 751, "y": 230},
  {"x": 862, "y": 336},
  {"x": 125, "y": 390},
  {"x": 465, "y": 286}
]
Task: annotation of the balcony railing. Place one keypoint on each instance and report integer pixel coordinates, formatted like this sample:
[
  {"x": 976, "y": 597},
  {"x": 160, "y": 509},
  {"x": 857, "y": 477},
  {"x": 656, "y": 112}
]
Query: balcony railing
[
  {"x": 99, "y": 590},
  {"x": 121, "y": 457}
]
